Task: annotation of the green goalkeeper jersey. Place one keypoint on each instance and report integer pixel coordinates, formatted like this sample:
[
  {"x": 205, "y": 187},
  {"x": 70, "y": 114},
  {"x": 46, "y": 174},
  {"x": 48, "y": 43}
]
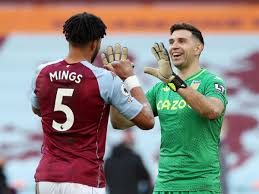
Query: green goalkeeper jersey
[{"x": 189, "y": 152}]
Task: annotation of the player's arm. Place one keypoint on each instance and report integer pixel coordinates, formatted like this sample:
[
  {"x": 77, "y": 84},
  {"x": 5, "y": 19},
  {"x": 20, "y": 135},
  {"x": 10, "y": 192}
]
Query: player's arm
[
  {"x": 36, "y": 111},
  {"x": 120, "y": 122},
  {"x": 116, "y": 62},
  {"x": 34, "y": 98},
  {"x": 145, "y": 118},
  {"x": 210, "y": 107}
]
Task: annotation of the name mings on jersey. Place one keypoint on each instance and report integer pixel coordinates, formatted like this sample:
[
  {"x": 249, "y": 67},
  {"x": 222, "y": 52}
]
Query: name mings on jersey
[{"x": 65, "y": 75}]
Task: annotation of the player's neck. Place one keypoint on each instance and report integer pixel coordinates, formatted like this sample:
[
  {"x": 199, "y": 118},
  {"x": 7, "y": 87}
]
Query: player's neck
[
  {"x": 76, "y": 55},
  {"x": 187, "y": 72}
]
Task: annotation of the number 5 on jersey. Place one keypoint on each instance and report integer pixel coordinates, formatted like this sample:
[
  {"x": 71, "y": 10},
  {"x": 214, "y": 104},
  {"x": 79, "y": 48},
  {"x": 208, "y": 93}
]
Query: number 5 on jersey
[{"x": 61, "y": 92}]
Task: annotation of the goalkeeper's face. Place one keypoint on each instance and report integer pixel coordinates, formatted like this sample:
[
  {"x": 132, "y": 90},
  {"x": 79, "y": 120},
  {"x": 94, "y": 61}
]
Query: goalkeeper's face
[{"x": 182, "y": 48}]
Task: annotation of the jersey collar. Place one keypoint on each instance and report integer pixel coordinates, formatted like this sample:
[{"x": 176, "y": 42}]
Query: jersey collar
[{"x": 196, "y": 75}]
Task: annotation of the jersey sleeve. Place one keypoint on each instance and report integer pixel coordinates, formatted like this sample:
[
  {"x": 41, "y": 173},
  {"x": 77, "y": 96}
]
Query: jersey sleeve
[
  {"x": 151, "y": 96},
  {"x": 113, "y": 92},
  {"x": 216, "y": 87},
  {"x": 34, "y": 99}
]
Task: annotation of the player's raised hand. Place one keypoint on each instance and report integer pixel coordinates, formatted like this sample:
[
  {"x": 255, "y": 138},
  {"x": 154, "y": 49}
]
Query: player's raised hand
[
  {"x": 115, "y": 59},
  {"x": 164, "y": 71},
  {"x": 114, "y": 54},
  {"x": 123, "y": 68}
]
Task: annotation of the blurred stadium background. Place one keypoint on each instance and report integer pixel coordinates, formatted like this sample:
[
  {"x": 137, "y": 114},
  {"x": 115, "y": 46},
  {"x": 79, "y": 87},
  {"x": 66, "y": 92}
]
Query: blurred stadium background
[{"x": 31, "y": 33}]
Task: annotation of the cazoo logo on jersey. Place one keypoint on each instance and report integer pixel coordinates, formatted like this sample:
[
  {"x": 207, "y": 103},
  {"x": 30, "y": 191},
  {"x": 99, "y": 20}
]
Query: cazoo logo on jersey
[{"x": 171, "y": 105}]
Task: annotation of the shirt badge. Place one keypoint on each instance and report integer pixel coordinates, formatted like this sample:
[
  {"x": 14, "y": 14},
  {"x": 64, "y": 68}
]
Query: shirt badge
[{"x": 195, "y": 84}]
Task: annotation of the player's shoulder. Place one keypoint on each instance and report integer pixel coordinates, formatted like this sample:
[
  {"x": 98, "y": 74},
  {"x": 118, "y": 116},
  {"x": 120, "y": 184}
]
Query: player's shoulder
[
  {"x": 47, "y": 64},
  {"x": 99, "y": 72},
  {"x": 106, "y": 80},
  {"x": 213, "y": 77}
]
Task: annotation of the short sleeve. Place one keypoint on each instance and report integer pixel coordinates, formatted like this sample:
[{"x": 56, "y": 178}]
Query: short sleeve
[
  {"x": 34, "y": 99},
  {"x": 114, "y": 92},
  {"x": 216, "y": 87}
]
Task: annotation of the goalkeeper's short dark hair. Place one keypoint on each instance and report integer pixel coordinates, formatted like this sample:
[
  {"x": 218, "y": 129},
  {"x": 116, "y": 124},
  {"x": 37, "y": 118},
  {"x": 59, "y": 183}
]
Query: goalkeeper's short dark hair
[
  {"x": 184, "y": 26},
  {"x": 82, "y": 28}
]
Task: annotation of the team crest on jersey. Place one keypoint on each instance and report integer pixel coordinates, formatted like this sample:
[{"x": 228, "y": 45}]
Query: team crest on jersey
[
  {"x": 126, "y": 93},
  {"x": 195, "y": 84}
]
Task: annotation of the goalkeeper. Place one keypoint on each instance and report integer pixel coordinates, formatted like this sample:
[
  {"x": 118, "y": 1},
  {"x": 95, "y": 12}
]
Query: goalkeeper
[{"x": 190, "y": 105}]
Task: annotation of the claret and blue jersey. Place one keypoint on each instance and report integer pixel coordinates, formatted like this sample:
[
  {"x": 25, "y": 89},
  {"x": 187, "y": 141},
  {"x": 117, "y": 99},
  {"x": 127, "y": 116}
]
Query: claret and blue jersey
[{"x": 74, "y": 102}]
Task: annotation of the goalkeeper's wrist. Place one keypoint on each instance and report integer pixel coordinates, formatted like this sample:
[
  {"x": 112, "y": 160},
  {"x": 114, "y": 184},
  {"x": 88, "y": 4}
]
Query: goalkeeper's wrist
[
  {"x": 131, "y": 82},
  {"x": 177, "y": 83}
]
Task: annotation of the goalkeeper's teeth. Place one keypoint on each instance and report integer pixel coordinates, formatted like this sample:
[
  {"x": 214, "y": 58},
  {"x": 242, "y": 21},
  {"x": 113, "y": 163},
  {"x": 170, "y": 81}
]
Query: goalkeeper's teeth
[{"x": 176, "y": 54}]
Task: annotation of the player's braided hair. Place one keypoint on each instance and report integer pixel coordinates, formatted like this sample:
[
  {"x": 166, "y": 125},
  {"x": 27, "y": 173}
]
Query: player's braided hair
[
  {"x": 82, "y": 28},
  {"x": 184, "y": 26}
]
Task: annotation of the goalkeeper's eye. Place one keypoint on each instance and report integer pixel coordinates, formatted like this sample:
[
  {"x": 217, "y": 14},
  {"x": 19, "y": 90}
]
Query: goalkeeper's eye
[{"x": 181, "y": 40}]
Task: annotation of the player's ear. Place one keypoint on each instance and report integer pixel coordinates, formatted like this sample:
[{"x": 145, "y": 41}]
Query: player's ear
[
  {"x": 93, "y": 45},
  {"x": 198, "y": 49}
]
